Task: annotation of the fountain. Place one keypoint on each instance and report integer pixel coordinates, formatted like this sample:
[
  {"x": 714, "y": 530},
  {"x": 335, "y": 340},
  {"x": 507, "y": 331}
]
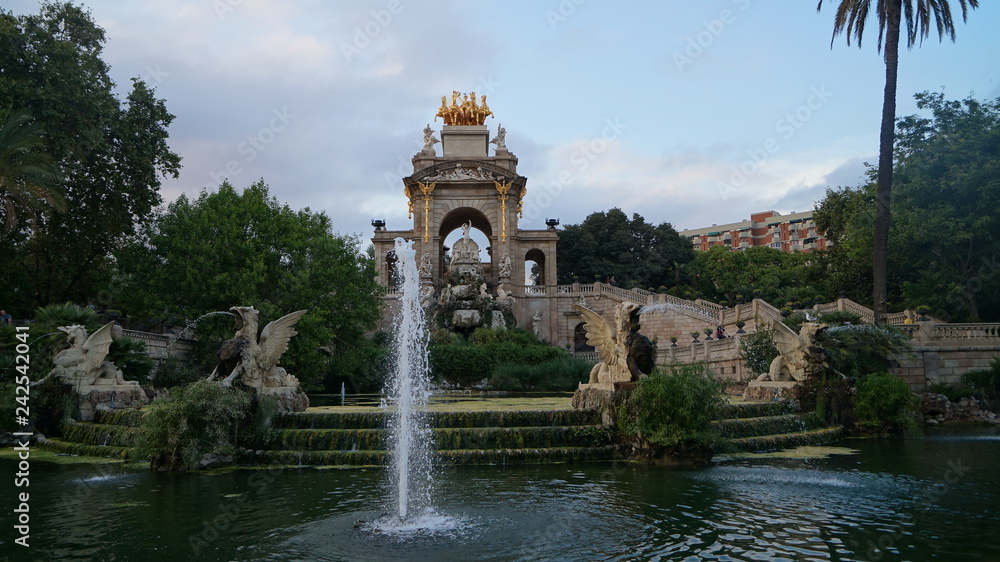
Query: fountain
[{"x": 411, "y": 440}]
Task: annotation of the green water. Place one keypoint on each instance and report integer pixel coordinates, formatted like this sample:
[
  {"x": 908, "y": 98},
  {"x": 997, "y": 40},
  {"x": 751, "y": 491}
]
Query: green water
[{"x": 936, "y": 498}]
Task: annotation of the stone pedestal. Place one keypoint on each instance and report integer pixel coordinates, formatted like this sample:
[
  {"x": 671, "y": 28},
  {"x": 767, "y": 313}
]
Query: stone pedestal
[
  {"x": 465, "y": 140},
  {"x": 289, "y": 398},
  {"x": 758, "y": 391},
  {"x": 89, "y": 399}
]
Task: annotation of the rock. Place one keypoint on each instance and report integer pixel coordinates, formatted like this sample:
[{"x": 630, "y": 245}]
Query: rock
[{"x": 932, "y": 421}]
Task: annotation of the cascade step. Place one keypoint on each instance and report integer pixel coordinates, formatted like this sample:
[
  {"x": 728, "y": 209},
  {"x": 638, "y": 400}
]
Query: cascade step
[
  {"x": 447, "y": 456},
  {"x": 376, "y": 420},
  {"x": 447, "y": 438},
  {"x": 754, "y": 410},
  {"x": 767, "y": 425},
  {"x": 69, "y": 448},
  {"x": 100, "y": 434},
  {"x": 766, "y": 443}
]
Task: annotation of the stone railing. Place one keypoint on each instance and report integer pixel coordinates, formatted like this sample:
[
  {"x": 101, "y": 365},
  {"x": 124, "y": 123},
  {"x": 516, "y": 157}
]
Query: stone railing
[
  {"x": 976, "y": 332},
  {"x": 159, "y": 346}
]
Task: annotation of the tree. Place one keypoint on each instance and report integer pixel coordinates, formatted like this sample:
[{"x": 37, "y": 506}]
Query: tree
[
  {"x": 726, "y": 275},
  {"x": 113, "y": 155},
  {"x": 29, "y": 177},
  {"x": 948, "y": 178},
  {"x": 850, "y": 18},
  {"x": 608, "y": 244},
  {"x": 942, "y": 241},
  {"x": 228, "y": 249}
]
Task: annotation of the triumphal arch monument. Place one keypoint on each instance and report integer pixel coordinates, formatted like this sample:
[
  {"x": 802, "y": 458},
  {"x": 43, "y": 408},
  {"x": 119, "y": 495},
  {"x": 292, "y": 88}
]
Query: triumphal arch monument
[{"x": 466, "y": 178}]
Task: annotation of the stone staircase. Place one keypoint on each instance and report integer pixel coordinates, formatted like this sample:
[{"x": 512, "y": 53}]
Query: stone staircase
[
  {"x": 498, "y": 437},
  {"x": 461, "y": 438},
  {"x": 756, "y": 427}
]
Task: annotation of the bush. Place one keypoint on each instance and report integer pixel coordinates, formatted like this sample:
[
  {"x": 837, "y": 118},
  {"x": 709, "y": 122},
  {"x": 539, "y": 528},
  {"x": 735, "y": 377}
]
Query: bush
[
  {"x": 884, "y": 404},
  {"x": 558, "y": 374},
  {"x": 857, "y": 351},
  {"x": 202, "y": 420},
  {"x": 986, "y": 382},
  {"x": 953, "y": 392},
  {"x": 173, "y": 371},
  {"x": 129, "y": 355},
  {"x": 674, "y": 408},
  {"x": 840, "y": 317},
  {"x": 467, "y": 363},
  {"x": 757, "y": 350},
  {"x": 364, "y": 369}
]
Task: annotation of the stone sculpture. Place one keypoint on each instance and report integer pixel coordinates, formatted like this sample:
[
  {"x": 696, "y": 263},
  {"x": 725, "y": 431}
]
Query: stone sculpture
[
  {"x": 799, "y": 357},
  {"x": 255, "y": 363},
  {"x": 429, "y": 139},
  {"x": 98, "y": 383},
  {"x": 536, "y": 324},
  {"x": 501, "y": 139},
  {"x": 505, "y": 266},
  {"x": 625, "y": 353}
]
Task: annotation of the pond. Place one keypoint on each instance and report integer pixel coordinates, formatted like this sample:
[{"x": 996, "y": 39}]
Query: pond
[{"x": 930, "y": 498}]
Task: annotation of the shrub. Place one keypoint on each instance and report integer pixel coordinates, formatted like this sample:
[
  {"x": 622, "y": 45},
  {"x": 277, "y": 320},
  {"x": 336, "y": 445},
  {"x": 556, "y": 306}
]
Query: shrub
[
  {"x": 840, "y": 317},
  {"x": 856, "y": 351},
  {"x": 674, "y": 408},
  {"x": 201, "y": 421},
  {"x": 173, "y": 371},
  {"x": 951, "y": 391},
  {"x": 563, "y": 373},
  {"x": 757, "y": 350},
  {"x": 986, "y": 382},
  {"x": 884, "y": 404},
  {"x": 129, "y": 355},
  {"x": 469, "y": 362}
]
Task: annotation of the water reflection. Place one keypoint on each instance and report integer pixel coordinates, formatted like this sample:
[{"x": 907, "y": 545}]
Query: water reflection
[{"x": 916, "y": 499}]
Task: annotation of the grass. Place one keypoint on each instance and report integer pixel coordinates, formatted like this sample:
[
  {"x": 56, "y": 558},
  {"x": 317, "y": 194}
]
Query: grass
[{"x": 471, "y": 403}]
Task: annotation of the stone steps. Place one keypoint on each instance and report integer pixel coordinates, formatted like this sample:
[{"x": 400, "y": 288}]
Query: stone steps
[
  {"x": 442, "y": 456},
  {"x": 774, "y": 442}
]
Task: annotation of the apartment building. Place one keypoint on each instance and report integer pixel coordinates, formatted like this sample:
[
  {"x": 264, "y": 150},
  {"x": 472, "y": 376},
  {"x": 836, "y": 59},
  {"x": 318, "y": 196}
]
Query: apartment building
[{"x": 788, "y": 233}]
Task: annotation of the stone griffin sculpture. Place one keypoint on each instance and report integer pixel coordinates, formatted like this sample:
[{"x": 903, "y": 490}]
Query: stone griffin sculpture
[
  {"x": 255, "y": 363},
  {"x": 799, "y": 357},
  {"x": 625, "y": 353},
  {"x": 96, "y": 382},
  {"x": 84, "y": 364}
]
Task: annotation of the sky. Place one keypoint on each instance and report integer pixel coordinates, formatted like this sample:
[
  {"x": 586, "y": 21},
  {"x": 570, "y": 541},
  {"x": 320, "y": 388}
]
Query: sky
[{"x": 692, "y": 113}]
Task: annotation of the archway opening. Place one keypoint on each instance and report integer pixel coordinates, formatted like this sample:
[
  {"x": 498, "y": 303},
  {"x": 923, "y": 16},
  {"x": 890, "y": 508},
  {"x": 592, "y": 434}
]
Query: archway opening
[
  {"x": 451, "y": 230},
  {"x": 580, "y": 339},
  {"x": 534, "y": 267},
  {"x": 391, "y": 271}
]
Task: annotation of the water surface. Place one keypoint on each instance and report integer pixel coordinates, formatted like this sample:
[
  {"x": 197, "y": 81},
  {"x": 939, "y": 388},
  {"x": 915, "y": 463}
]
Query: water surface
[{"x": 934, "y": 498}]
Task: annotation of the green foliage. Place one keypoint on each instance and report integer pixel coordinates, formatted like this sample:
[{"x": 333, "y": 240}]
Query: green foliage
[
  {"x": 944, "y": 196},
  {"x": 884, "y": 404},
  {"x": 723, "y": 275},
  {"x": 840, "y": 318},
  {"x": 171, "y": 372},
  {"x": 830, "y": 396},
  {"x": 675, "y": 407},
  {"x": 113, "y": 155},
  {"x": 564, "y": 373},
  {"x": 986, "y": 382},
  {"x": 856, "y": 351},
  {"x": 29, "y": 176},
  {"x": 129, "y": 355},
  {"x": 201, "y": 419},
  {"x": 953, "y": 392},
  {"x": 757, "y": 350},
  {"x": 469, "y": 362},
  {"x": 229, "y": 248},
  {"x": 610, "y": 244},
  {"x": 365, "y": 369}
]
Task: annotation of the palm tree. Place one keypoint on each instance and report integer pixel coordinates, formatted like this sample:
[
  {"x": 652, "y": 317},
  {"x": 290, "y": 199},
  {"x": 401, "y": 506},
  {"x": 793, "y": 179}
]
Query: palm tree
[
  {"x": 29, "y": 176},
  {"x": 918, "y": 15}
]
